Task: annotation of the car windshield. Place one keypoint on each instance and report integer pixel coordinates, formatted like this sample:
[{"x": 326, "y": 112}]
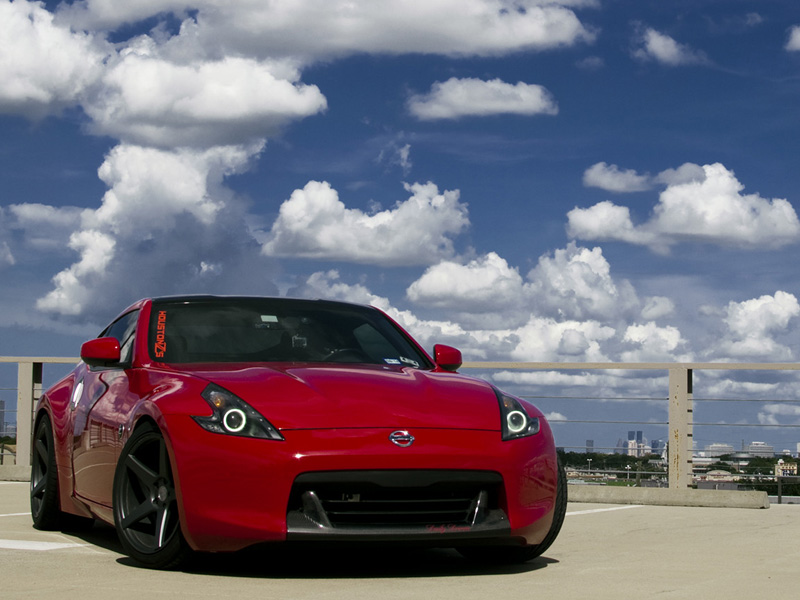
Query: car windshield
[{"x": 276, "y": 330}]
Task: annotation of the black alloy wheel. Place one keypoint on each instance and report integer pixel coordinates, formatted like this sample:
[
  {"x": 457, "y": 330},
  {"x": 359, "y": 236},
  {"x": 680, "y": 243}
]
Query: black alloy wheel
[
  {"x": 44, "y": 479},
  {"x": 145, "y": 505}
]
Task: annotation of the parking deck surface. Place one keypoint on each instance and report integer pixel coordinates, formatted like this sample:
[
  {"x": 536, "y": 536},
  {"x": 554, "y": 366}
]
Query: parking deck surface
[{"x": 604, "y": 551}]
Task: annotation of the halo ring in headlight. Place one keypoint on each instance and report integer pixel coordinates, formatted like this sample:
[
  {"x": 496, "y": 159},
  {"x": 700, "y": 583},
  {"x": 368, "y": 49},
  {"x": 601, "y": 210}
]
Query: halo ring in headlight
[
  {"x": 234, "y": 420},
  {"x": 517, "y": 421}
]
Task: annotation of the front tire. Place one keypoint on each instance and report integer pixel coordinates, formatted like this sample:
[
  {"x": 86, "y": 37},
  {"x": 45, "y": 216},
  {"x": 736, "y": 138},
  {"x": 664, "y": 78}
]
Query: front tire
[
  {"x": 145, "y": 504},
  {"x": 515, "y": 554}
]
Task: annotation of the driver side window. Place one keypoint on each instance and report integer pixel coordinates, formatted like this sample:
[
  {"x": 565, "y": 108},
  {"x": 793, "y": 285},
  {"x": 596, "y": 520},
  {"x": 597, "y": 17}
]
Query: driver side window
[{"x": 124, "y": 329}]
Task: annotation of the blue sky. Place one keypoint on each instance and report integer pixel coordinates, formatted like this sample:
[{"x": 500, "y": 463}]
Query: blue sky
[{"x": 527, "y": 180}]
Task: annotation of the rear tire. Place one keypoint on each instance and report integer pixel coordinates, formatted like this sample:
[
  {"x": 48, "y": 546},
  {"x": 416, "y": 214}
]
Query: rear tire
[
  {"x": 520, "y": 554},
  {"x": 45, "y": 504},
  {"x": 145, "y": 504}
]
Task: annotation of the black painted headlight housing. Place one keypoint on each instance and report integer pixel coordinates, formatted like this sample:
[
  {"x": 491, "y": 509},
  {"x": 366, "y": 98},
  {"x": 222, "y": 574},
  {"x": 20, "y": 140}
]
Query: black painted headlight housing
[
  {"x": 514, "y": 419},
  {"x": 233, "y": 416}
]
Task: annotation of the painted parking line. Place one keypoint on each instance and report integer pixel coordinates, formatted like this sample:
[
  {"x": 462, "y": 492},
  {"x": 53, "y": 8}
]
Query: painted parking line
[
  {"x": 600, "y": 510},
  {"x": 37, "y": 546},
  {"x": 27, "y": 514},
  {"x": 14, "y": 483}
]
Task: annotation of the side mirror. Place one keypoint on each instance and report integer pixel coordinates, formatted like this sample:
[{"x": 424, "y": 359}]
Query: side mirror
[
  {"x": 100, "y": 352},
  {"x": 447, "y": 357}
]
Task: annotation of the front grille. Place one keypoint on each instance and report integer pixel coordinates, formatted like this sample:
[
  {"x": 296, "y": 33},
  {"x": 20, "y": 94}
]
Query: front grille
[{"x": 395, "y": 499}]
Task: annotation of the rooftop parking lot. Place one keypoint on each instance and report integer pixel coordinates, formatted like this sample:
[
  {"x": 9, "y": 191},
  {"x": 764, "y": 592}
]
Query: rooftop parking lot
[{"x": 604, "y": 551}]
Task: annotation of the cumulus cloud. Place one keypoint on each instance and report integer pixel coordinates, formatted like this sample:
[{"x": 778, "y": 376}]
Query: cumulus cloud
[
  {"x": 709, "y": 210},
  {"x": 313, "y": 30},
  {"x": 571, "y": 283},
  {"x": 160, "y": 229},
  {"x": 654, "y": 344},
  {"x": 779, "y": 414},
  {"x": 315, "y": 223},
  {"x": 152, "y": 101},
  {"x": 606, "y": 221},
  {"x": 456, "y": 98},
  {"x": 44, "y": 67},
  {"x": 576, "y": 282},
  {"x": 657, "y": 307},
  {"x": 613, "y": 179},
  {"x": 653, "y": 45},
  {"x": 754, "y": 324},
  {"x": 43, "y": 227},
  {"x": 6, "y": 257},
  {"x": 793, "y": 43},
  {"x": 486, "y": 284}
]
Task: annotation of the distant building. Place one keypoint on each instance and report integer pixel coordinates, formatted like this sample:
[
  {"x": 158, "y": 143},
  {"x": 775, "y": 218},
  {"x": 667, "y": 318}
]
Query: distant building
[
  {"x": 784, "y": 469},
  {"x": 589, "y": 446},
  {"x": 761, "y": 449},
  {"x": 718, "y": 449},
  {"x": 2, "y": 418}
]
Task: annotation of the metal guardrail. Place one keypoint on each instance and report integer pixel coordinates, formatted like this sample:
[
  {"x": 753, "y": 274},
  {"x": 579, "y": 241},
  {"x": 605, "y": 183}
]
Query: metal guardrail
[
  {"x": 29, "y": 388},
  {"x": 681, "y": 404}
]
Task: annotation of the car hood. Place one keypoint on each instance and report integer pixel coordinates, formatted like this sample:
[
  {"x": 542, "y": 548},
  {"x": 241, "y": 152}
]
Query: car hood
[{"x": 352, "y": 396}]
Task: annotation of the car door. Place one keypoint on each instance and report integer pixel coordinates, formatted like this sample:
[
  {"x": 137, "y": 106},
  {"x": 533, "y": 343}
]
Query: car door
[{"x": 97, "y": 406}]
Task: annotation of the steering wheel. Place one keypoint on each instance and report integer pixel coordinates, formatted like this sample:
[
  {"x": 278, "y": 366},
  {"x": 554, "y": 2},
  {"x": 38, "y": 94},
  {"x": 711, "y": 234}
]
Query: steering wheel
[{"x": 346, "y": 355}]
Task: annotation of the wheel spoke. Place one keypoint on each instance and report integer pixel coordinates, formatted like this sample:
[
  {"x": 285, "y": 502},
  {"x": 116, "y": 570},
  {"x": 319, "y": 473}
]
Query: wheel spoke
[
  {"x": 145, "y": 476},
  {"x": 161, "y": 526},
  {"x": 139, "y": 513},
  {"x": 38, "y": 488},
  {"x": 41, "y": 453}
]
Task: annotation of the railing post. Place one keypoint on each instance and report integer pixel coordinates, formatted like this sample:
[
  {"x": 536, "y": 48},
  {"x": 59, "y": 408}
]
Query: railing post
[
  {"x": 680, "y": 428},
  {"x": 29, "y": 387}
]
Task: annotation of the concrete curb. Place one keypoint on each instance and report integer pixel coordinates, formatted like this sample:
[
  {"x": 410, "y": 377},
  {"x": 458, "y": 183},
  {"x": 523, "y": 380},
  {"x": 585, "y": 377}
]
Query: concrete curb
[
  {"x": 602, "y": 494},
  {"x": 14, "y": 473}
]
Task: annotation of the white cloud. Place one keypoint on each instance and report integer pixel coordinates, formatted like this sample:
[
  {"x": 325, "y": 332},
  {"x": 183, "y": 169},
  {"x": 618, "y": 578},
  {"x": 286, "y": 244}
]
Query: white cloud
[
  {"x": 576, "y": 282},
  {"x": 770, "y": 413},
  {"x": 486, "y": 284},
  {"x": 44, "y": 227},
  {"x": 314, "y": 223},
  {"x": 456, "y": 98},
  {"x": 612, "y": 179},
  {"x": 710, "y": 210},
  {"x": 152, "y": 101},
  {"x": 686, "y": 173},
  {"x": 486, "y": 292},
  {"x": 314, "y": 30},
  {"x": 166, "y": 225},
  {"x": 793, "y": 44},
  {"x": 653, "y": 45},
  {"x": 44, "y": 67},
  {"x": 657, "y": 307},
  {"x": 606, "y": 221},
  {"x": 6, "y": 257},
  {"x": 753, "y": 326},
  {"x": 654, "y": 344}
]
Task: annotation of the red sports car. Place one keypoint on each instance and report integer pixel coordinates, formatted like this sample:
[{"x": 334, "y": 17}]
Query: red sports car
[{"x": 210, "y": 424}]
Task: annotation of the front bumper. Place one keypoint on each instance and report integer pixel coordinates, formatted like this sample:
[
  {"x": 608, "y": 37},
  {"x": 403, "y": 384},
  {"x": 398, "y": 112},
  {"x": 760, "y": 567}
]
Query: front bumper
[{"x": 235, "y": 492}]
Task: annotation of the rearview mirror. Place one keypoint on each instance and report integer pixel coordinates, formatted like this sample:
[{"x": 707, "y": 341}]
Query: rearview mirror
[
  {"x": 100, "y": 352},
  {"x": 447, "y": 357}
]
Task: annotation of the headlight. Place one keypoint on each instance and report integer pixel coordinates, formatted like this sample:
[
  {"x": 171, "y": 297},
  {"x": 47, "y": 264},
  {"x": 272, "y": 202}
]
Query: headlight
[
  {"x": 233, "y": 416},
  {"x": 515, "y": 422}
]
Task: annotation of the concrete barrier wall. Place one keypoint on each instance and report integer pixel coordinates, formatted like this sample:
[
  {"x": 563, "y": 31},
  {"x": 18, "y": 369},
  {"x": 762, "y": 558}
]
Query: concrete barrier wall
[{"x": 601, "y": 494}]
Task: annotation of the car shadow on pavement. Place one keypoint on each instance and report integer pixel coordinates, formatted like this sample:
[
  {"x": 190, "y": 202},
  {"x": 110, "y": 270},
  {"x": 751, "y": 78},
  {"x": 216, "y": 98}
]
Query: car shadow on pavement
[{"x": 307, "y": 561}]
